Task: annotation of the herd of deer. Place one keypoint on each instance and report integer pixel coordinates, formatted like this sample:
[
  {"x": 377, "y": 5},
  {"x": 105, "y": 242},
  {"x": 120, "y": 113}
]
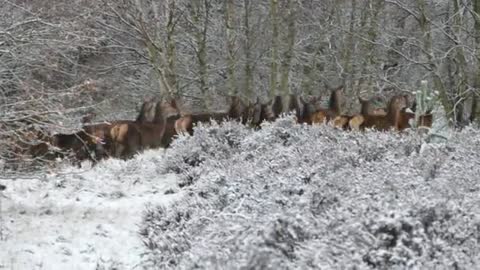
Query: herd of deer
[{"x": 160, "y": 121}]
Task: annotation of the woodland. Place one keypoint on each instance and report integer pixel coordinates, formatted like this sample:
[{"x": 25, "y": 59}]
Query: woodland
[
  {"x": 63, "y": 60},
  {"x": 279, "y": 195}
]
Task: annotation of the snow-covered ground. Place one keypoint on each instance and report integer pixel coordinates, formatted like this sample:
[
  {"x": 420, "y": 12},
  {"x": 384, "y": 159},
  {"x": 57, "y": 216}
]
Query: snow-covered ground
[
  {"x": 81, "y": 219},
  {"x": 287, "y": 196}
]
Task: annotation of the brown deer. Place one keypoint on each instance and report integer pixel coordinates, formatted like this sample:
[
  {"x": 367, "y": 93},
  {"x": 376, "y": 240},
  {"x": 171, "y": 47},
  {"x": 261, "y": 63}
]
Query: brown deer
[
  {"x": 186, "y": 122},
  {"x": 425, "y": 120},
  {"x": 81, "y": 144},
  {"x": 391, "y": 119},
  {"x": 367, "y": 107},
  {"x": 170, "y": 132},
  {"x": 84, "y": 144},
  {"x": 124, "y": 138},
  {"x": 146, "y": 132},
  {"x": 167, "y": 113},
  {"x": 334, "y": 108},
  {"x": 309, "y": 108},
  {"x": 101, "y": 137},
  {"x": 295, "y": 104},
  {"x": 349, "y": 122},
  {"x": 286, "y": 104},
  {"x": 260, "y": 112},
  {"x": 341, "y": 122},
  {"x": 237, "y": 110},
  {"x": 407, "y": 114}
]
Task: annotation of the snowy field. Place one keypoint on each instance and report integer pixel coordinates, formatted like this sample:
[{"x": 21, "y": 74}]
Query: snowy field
[
  {"x": 82, "y": 219},
  {"x": 284, "y": 197}
]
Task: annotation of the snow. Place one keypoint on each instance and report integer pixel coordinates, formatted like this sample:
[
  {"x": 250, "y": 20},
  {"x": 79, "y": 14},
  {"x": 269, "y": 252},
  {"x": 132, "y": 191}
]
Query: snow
[
  {"x": 286, "y": 196},
  {"x": 81, "y": 218},
  {"x": 312, "y": 197}
]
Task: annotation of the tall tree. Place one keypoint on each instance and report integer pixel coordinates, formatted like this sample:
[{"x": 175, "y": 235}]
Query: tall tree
[
  {"x": 475, "y": 110},
  {"x": 274, "y": 48},
  {"x": 230, "y": 44},
  {"x": 349, "y": 49},
  {"x": 143, "y": 21},
  {"x": 289, "y": 51},
  {"x": 200, "y": 9},
  {"x": 171, "y": 22},
  {"x": 374, "y": 8},
  {"x": 424, "y": 21},
  {"x": 248, "y": 48},
  {"x": 461, "y": 63}
]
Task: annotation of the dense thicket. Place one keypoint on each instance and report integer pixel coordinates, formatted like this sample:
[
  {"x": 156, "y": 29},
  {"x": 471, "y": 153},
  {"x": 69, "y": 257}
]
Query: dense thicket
[{"x": 308, "y": 197}]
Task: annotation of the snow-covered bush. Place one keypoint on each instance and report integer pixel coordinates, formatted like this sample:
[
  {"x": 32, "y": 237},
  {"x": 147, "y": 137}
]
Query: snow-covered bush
[
  {"x": 212, "y": 141},
  {"x": 293, "y": 196}
]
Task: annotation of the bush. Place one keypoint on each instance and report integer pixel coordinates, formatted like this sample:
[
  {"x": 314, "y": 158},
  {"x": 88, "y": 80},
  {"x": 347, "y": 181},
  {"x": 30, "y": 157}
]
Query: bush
[
  {"x": 211, "y": 142},
  {"x": 306, "y": 197}
]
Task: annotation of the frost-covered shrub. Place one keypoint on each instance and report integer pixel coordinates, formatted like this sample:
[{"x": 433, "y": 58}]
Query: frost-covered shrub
[
  {"x": 429, "y": 236},
  {"x": 293, "y": 196},
  {"x": 213, "y": 141}
]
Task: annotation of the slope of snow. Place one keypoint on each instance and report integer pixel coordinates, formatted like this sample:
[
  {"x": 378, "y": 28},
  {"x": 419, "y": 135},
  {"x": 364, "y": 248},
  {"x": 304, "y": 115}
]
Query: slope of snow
[{"x": 81, "y": 218}]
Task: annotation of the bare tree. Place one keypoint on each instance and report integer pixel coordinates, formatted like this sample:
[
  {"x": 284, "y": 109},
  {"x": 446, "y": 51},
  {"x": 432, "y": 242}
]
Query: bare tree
[
  {"x": 248, "y": 47},
  {"x": 44, "y": 83},
  {"x": 286, "y": 66},
  {"x": 274, "y": 48},
  {"x": 475, "y": 110},
  {"x": 230, "y": 40},
  {"x": 60, "y": 63}
]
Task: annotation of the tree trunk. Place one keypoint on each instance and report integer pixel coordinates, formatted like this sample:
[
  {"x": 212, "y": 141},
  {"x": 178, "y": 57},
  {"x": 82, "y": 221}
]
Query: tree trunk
[
  {"x": 248, "y": 50},
  {"x": 310, "y": 72},
  {"x": 475, "y": 110},
  {"x": 200, "y": 30},
  {"x": 274, "y": 49},
  {"x": 155, "y": 52},
  {"x": 462, "y": 66},
  {"x": 348, "y": 50},
  {"x": 375, "y": 7},
  {"x": 231, "y": 60},
  {"x": 424, "y": 24},
  {"x": 171, "y": 48},
  {"x": 288, "y": 55}
]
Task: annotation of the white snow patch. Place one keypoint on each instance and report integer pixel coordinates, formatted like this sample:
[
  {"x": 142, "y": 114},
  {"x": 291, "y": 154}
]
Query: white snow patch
[{"x": 81, "y": 218}]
